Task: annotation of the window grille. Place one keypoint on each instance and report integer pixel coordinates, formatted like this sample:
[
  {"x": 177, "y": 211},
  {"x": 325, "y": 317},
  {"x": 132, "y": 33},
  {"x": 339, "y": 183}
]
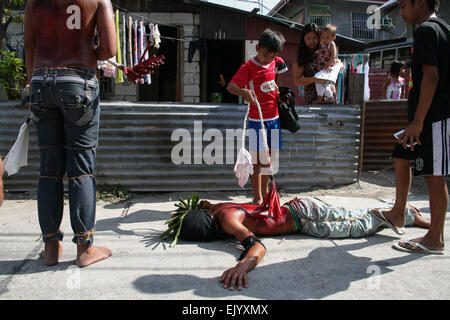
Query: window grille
[
  {"x": 360, "y": 29},
  {"x": 321, "y": 21}
]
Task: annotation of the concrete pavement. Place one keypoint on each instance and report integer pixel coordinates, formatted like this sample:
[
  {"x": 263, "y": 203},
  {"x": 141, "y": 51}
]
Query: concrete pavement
[{"x": 143, "y": 267}]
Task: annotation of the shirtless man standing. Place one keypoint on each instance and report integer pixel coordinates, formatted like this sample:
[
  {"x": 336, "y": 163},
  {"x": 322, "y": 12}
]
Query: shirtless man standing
[
  {"x": 306, "y": 215},
  {"x": 61, "y": 60}
]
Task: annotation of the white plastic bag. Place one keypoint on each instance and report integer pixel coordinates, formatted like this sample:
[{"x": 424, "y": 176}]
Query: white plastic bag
[
  {"x": 17, "y": 157},
  {"x": 332, "y": 75},
  {"x": 244, "y": 167}
]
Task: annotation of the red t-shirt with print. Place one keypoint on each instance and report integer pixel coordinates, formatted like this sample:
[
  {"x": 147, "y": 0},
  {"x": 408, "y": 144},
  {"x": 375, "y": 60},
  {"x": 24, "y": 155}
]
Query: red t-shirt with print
[{"x": 261, "y": 79}]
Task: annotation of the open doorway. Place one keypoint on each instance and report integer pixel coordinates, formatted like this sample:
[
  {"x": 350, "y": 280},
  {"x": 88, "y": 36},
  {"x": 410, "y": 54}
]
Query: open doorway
[
  {"x": 224, "y": 58},
  {"x": 164, "y": 84}
]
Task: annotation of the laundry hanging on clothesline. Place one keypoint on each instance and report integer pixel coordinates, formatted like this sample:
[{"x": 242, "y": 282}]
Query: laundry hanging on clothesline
[
  {"x": 134, "y": 39},
  {"x": 353, "y": 63}
]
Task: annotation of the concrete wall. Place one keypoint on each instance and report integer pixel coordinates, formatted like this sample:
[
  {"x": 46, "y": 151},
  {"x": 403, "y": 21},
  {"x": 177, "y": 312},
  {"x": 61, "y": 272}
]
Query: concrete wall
[{"x": 190, "y": 72}]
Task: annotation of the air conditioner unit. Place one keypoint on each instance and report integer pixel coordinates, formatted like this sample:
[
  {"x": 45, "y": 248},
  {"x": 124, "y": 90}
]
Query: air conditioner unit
[{"x": 386, "y": 22}]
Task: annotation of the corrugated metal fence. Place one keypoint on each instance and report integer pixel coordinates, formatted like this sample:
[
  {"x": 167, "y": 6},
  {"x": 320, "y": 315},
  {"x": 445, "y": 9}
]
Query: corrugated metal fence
[
  {"x": 135, "y": 147},
  {"x": 382, "y": 119}
]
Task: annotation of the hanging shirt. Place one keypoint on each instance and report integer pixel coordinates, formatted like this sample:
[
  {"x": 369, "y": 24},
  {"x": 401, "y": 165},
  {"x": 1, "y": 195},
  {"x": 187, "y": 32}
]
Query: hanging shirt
[
  {"x": 135, "y": 49},
  {"x": 144, "y": 43},
  {"x": 261, "y": 79},
  {"x": 156, "y": 36},
  {"x": 151, "y": 28},
  {"x": 130, "y": 42},
  {"x": 124, "y": 41},
  {"x": 119, "y": 75}
]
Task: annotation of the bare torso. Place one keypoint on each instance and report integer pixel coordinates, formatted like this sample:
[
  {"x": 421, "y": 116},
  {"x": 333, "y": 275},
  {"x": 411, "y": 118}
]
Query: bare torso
[
  {"x": 262, "y": 227},
  {"x": 64, "y": 32}
]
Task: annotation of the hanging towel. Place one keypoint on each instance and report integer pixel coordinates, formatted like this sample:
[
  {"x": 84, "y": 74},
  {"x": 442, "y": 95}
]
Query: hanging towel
[
  {"x": 130, "y": 42},
  {"x": 17, "y": 157},
  {"x": 144, "y": 43},
  {"x": 156, "y": 36},
  {"x": 366, "y": 82},
  {"x": 151, "y": 28},
  {"x": 119, "y": 75},
  {"x": 140, "y": 46},
  {"x": 124, "y": 41},
  {"x": 135, "y": 49}
]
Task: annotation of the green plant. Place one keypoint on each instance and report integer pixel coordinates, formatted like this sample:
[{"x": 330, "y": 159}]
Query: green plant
[
  {"x": 12, "y": 74},
  {"x": 7, "y": 16},
  {"x": 113, "y": 194},
  {"x": 176, "y": 221}
]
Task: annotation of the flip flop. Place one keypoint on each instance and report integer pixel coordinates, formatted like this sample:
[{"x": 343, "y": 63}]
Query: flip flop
[
  {"x": 422, "y": 248},
  {"x": 397, "y": 230}
]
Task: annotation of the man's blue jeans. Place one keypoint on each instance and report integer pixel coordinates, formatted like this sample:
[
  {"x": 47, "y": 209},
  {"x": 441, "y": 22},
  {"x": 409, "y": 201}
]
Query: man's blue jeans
[{"x": 65, "y": 109}]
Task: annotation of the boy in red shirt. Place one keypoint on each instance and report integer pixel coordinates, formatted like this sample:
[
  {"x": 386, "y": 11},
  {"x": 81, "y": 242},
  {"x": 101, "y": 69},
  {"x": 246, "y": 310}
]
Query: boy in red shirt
[{"x": 256, "y": 81}]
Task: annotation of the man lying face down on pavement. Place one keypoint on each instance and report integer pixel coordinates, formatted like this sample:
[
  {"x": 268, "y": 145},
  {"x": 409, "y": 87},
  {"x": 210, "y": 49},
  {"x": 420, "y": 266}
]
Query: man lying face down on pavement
[{"x": 204, "y": 222}]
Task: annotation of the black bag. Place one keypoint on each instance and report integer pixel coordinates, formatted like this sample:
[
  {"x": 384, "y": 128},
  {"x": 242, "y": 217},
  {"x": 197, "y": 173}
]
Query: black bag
[{"x": 286, "y": 109}]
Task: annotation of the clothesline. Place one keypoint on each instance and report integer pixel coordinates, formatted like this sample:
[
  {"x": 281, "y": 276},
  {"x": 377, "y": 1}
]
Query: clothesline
[
  {"x": 175, "y": 39},
  {"x": 353, "y": 55},
  {"x": 142, "y": 17}
]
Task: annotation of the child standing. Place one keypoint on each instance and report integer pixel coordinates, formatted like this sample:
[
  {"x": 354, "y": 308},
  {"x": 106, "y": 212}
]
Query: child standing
[
  {"x": 394, "y": 87},
  {"x": 256, "y": 81},
  {"x": 428, "y": 114},
  {"x": 327, "y": 57}
]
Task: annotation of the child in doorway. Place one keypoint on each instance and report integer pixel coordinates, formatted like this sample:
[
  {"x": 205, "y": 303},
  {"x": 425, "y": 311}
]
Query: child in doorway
[
  {"x": 256, "y": 81},
  {"x": 327, "y": 57},
  {"x": 394, "y": 87},
  {"x": 425, "y": 141}
]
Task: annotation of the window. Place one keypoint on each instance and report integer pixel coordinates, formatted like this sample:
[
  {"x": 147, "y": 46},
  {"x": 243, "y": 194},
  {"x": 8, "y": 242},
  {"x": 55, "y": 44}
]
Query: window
[
  {"x": 389, "y": 56},
  {"x": 321, "y": 21},
  {"x": 404, "y": 54},
  {"x": 320, "y": 14},
  {"x": 360, "y": 29},
  {"x": 375, "y": 60}
]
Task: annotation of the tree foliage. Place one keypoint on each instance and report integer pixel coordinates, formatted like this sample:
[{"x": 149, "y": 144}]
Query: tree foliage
[{"x": 7, "y": 17}]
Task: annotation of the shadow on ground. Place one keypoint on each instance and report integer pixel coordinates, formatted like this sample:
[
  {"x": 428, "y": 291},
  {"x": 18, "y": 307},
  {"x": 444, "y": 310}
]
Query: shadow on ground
[{"x": 324, "y": 272}]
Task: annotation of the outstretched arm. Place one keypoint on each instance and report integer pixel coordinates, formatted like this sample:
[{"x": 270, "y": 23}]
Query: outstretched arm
[
  {"x": 300, "y": 79},
  {"x": 248, "y": 95},
  {"x": 231, "y": 223}
]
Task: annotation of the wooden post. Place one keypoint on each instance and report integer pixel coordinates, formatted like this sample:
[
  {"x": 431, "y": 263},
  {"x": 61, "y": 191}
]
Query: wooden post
[
  {"x": 361, "y": 140},
  {"x": 356, "y": 89}
]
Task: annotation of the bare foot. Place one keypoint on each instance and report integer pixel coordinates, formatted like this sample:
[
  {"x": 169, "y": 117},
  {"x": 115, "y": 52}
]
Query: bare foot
[
  {"x": 89, "y": 255},
  {"x": 52, "y": 252},
  {"x": 419, "y": 221}
]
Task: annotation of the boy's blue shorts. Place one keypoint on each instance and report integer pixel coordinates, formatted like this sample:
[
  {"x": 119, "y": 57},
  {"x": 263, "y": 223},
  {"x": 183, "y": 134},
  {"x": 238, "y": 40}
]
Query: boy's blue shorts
[{"x": 273, "y": 129}]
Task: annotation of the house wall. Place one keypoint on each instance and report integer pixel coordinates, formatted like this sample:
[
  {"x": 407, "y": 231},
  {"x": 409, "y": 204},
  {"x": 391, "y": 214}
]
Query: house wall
[
  {"x": 189, "y": 84},
  {"x": 341, "y": 16}
]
